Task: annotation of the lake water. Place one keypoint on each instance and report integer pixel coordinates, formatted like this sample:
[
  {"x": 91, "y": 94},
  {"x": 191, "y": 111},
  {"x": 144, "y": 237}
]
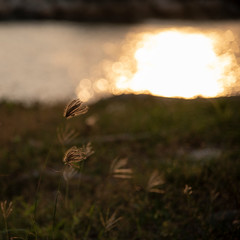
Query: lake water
[{"x": 56, "y": 61}]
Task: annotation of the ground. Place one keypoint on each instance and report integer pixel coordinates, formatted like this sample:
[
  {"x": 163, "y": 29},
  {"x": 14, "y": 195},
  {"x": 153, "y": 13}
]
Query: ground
[{"x": 177, "y": 178}]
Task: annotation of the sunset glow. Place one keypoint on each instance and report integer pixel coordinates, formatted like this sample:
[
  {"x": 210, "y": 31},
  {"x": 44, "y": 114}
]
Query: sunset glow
[{"x": 177, "y": 64}]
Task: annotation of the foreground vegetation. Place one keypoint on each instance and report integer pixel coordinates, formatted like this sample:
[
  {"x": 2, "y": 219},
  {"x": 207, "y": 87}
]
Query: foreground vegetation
[{"x": 161, "y": 169}]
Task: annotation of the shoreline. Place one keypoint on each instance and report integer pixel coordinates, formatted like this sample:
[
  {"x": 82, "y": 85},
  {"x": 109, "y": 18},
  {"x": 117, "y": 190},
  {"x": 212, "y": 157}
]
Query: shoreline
[{"x": 118, "y": 12}]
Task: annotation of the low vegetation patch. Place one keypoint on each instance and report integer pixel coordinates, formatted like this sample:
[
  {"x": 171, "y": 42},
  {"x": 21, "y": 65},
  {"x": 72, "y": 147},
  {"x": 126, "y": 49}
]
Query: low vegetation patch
[{"x": 127, "y": 167}]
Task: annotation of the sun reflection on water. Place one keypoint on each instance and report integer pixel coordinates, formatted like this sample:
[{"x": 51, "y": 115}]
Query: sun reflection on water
[{"x": 175, "y": 64}]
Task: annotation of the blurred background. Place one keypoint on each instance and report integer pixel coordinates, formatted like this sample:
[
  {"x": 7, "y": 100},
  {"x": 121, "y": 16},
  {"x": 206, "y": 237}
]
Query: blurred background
[
  {"x": 166, "y": 162},
  {"x": 52, "y": 50}
]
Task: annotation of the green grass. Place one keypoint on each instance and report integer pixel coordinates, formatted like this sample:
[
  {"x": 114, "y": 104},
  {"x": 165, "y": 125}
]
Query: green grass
[{"x": 154, "y": 134}]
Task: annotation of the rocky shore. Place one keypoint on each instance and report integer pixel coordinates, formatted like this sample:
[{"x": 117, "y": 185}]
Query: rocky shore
[{"x": 118, "y": 10}]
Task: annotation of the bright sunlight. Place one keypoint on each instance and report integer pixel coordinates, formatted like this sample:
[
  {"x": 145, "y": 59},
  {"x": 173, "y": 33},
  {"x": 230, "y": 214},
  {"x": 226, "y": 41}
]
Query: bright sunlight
[{"x": 178, "y": 64}]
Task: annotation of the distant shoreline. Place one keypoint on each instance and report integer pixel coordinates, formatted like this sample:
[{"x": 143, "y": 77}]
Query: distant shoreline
[{"x": 115, "y": 11}]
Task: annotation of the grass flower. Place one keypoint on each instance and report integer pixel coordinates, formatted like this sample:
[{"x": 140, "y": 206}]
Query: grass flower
[
  {"x": 109, "y": 222},
  {"x": 6, "y": 209},
  {"x": 154, "y": 182},
  {"x": 66, "y": 135},
  {"x": 117, "y": 169},
  {"x": 88, "y": 149},
  {"x": 187, "y": 190},
  {"x": 76, "y": 155},
  {"x": 75, "y": 108},
  {"x": 69, "y": 173}
]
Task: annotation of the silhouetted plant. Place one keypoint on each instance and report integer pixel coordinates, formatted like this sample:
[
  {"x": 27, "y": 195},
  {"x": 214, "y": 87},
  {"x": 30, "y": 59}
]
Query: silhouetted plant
[
  {"x": 6, "y": 211},
  {"x": 75, "y": 108}
]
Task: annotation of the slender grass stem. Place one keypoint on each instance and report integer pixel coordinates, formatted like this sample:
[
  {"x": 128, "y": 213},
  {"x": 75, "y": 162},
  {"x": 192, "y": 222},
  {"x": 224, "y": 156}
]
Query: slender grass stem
[
  {"x": 37, "y": 193},
  {"x": 6, "y": 228},
  {"x": 39, "y": 183},
  {"x": 55, "y": 208},
  {"x": 67, "y": 193},
  {"x": 54, "y": 214},
  {"x": 80, "y": 177}
]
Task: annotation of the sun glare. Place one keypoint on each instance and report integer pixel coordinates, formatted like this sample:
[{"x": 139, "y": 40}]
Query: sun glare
[{"x": 177, "y": 64}]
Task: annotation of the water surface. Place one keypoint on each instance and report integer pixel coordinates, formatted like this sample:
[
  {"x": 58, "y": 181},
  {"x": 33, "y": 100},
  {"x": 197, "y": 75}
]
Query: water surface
[{"x": 55, "y": 61}]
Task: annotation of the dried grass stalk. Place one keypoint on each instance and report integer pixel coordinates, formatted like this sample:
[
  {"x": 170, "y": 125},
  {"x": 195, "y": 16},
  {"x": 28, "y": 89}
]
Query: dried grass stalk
[
  {"x": 75, "y": 108},
  {"x": 118, "y": 171},
  {"x": 187, "y": 190},
  {"x": 75, "y": 155},
  {"x": 109, "y": 222},
  {"x": 154, "y": 182},
  {"x": 69, "y": 173},
  {"x": 6, "y": 209},
  {"x": 66, "y": 135}
]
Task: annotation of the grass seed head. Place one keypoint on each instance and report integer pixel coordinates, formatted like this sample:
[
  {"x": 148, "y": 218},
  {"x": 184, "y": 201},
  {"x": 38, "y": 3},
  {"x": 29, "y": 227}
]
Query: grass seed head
[
  {"x": 69, "y": 173},
  {"x": 66, "y": 135},
  {"x": 6, "y": 209},
  {"x": 109, "y": 222},
  {"x": 75, "y": 155},
  {"x": 75, "y": 108},
  {"x": 187, "y": 190},
  {"x": 118, "y": 169},
  {"x": 88, "y": 150},
  {"x": 154, "y": 182}
]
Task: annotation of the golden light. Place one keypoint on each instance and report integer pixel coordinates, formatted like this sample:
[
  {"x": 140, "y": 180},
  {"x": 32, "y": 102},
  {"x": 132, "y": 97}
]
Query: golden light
[{"x": 176, "y": 64}]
